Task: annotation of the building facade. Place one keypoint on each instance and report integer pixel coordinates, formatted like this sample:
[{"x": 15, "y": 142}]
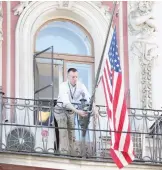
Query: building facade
[{"x": 39, "y": 41}]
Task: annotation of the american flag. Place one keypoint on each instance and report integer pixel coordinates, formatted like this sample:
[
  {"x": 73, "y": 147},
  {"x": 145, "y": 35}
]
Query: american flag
[{"x": 121, "y": 143}]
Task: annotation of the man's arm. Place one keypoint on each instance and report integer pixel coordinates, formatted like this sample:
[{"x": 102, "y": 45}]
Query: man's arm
[
  {"x": 85, "y": 91},
  {"x": 88, "y": 97}
]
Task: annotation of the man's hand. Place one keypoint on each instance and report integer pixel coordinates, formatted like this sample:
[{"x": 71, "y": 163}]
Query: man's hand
[{"x": 82, "y": 113}]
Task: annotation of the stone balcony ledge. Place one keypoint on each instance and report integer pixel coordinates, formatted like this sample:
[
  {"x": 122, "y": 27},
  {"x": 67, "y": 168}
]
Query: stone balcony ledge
[{"x": 66, "y": 163}]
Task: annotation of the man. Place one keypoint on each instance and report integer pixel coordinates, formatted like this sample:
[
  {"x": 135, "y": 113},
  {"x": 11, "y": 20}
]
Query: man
[{"x": 70, "y": 92}]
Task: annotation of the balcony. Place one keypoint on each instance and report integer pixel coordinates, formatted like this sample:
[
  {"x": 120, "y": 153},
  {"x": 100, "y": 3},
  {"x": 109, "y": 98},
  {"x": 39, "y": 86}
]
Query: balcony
[{"x": 23, "y": 132}]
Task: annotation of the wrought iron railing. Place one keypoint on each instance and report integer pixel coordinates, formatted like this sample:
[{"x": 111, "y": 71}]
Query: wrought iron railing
[{"x": 28, "y": 126}]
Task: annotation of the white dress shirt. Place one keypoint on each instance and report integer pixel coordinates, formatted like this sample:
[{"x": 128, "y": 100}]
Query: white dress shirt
[{"x": 77, "y": 92}]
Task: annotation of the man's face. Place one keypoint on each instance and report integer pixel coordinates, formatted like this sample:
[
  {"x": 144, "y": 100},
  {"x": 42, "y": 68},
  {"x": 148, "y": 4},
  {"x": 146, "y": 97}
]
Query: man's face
[{"x": 73, "y": 77}]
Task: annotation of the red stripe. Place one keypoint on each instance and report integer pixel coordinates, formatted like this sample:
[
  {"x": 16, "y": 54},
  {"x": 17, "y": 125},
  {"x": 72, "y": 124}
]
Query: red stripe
[
  {"x": 116, "y": 159},
  {"x": 127, "y": 140},
  {"x": 108, "y": 68},
  {"x": 115, "y": 103},
  {"x": 127, "y": 157},
  {"x": 108, "y": 110},
  {"x": 120, "y": 127},
  {"x": 109, "y": 75},
  {"x": 123, "y": 115},
  {"x": 108, "y": 88},
  {"x": 117, "y": 93},
  {"x": 104, "y": 91},
  {"x": 107, "y": 85},
  {"x": 112, "y": 78}
]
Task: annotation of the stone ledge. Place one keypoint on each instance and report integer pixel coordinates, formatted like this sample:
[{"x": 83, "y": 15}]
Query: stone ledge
[{"x": 64, "y": 163}]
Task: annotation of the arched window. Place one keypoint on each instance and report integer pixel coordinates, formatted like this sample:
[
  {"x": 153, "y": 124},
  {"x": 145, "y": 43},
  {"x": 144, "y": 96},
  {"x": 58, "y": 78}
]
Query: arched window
[
  {"x": 66, "y": 37},
  {"x": 72, "y": 47}
]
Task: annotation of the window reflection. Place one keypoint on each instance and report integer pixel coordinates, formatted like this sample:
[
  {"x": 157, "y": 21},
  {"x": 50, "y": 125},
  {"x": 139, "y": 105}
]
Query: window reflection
[
  {"x": 66, "y": 37},
  {"x": 43, "y": 78}
]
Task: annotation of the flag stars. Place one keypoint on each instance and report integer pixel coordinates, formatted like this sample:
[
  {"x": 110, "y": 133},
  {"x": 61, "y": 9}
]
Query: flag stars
[{"x": 114, "y": 55}]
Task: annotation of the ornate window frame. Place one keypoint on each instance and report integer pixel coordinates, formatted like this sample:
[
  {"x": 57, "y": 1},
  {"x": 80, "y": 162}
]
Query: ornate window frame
[{"x": 90, "y": 15}]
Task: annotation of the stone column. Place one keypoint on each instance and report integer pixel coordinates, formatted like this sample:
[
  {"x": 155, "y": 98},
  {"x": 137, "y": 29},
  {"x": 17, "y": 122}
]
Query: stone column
[
  {"x": 1, "y": 39},
  {"x": 143, "y": 32},
  {"x": 1, "y": 127},
  {"x": 143, "y": 42}
]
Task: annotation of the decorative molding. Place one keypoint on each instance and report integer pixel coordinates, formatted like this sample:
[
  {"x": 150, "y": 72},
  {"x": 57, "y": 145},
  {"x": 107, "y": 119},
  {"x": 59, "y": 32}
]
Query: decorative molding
[
  {"x": 141, "y": 19},
  {"x": 143, "y": 31},
  {"x": 105, "y": 9},
  {"x": 146, "y": 54},
  {"x": 65, "y": 4},
  {"x": 20, "y": 7}
]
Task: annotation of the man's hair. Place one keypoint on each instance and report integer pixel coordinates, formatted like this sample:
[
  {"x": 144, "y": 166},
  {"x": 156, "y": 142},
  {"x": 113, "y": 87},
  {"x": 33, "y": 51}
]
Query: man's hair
[{"x": 72, "y": 69}]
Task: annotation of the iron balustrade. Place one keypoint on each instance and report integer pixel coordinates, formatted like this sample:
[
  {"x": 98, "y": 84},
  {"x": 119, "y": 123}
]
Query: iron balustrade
[{"x": 23, "y": 131}]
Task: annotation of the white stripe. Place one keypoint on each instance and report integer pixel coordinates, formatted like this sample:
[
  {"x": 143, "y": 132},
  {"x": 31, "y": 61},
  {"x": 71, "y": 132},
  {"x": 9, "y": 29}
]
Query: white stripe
[
  {"x": 110, "y": 106},
  {"x": 131, "y": 156},
  {"x": 8, "y": 68},
  {"x": 120, "y": 103},
  {"x": 118, "y": 114},
  {"x": 121, "y": 158},
  {"x": 114, "y": 83},
  {"x": 106, "y": 51},
  {"x": 123, "y": 135},
  {"x": 108, "y": 70},
  {"x": 109, "y": 67},
  {"x": 107, "y": 94},
  {"x": 109, "y": 82}
]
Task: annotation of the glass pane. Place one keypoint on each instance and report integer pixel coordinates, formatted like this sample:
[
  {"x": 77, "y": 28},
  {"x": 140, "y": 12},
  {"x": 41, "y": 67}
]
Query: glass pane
[
  {"x": 64, "y": 34},
  {"x": 43, "y": 78}
]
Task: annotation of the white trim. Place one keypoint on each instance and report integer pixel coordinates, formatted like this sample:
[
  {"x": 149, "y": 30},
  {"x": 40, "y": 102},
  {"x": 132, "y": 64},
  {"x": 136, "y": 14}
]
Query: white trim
[
  {"x": 8, "y": 68},
  {"x": 34, "y": 15}
]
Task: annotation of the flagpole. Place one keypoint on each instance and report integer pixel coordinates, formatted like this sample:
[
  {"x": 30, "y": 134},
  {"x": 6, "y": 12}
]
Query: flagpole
[{"x": 98, "y": 73}]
